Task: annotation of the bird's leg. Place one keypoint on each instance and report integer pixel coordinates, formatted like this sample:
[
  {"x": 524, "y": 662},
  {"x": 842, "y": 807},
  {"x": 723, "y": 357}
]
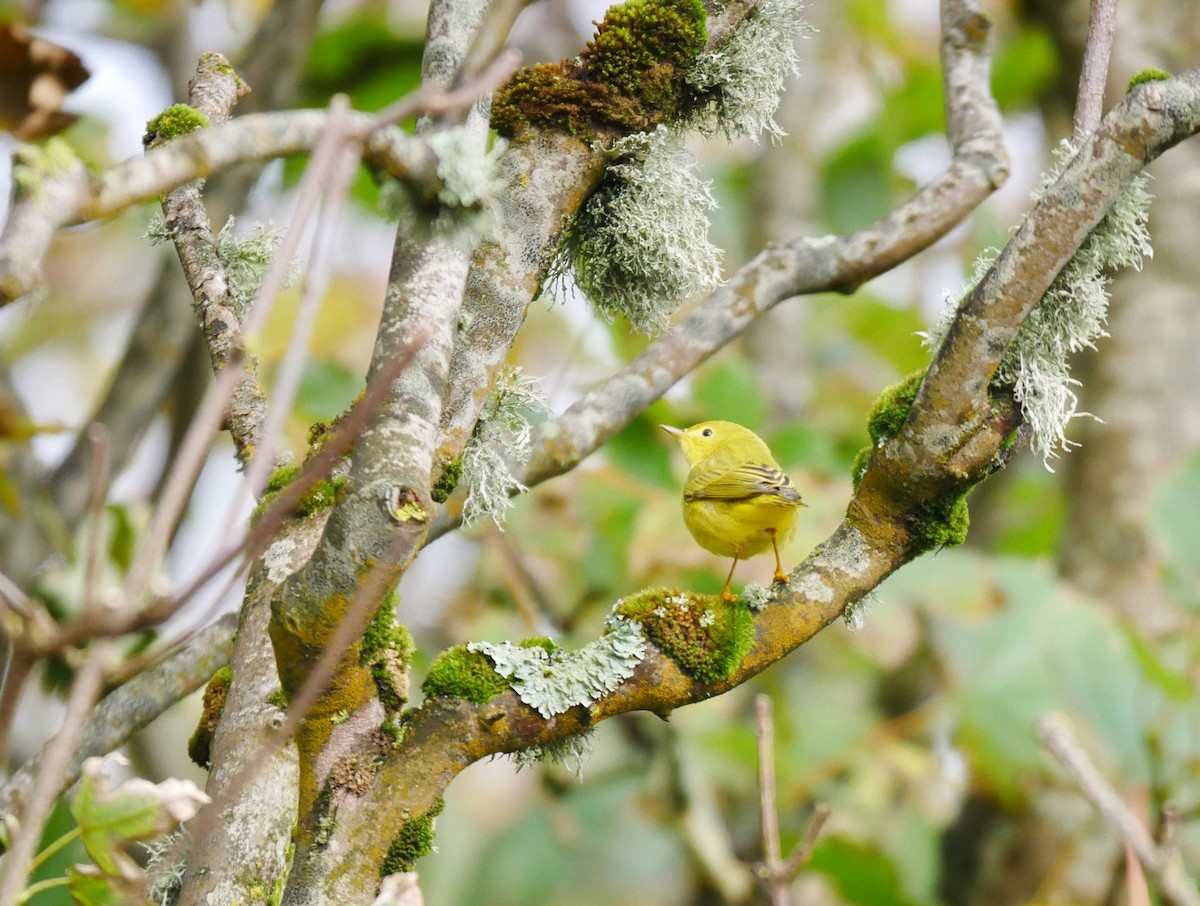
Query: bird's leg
[
  {"x": 780, "y": 575},
  {"x": 726, "y": 594}
]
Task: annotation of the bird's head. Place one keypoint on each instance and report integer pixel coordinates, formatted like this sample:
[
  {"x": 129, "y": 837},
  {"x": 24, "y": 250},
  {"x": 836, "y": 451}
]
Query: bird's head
[{"x": 702, "y": 440}]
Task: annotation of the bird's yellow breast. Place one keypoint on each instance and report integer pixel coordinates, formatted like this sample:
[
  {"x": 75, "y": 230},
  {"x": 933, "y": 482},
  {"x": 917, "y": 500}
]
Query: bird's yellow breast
[{"x": 739, "y": 528}]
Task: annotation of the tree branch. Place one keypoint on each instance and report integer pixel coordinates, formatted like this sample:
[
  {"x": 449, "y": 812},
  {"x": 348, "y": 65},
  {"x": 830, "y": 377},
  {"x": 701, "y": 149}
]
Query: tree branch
[
  {"x": 806, "y": 265},
  {"x": 1176, "y": 887}
]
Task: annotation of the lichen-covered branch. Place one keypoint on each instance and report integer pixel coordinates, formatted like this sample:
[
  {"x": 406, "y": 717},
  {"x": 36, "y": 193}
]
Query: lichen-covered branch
[
  {"x": 478, "y": 704},
  {"x": 549, "y": 171},
  {"x": 807, "y": 265},
  {"x": 59, "y": 192},
  {"x": 214, "y": 90}
]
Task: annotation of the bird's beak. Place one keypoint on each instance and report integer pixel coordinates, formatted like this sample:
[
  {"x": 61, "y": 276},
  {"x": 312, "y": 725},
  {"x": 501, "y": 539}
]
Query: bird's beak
[{"x": 674, "y": 432}]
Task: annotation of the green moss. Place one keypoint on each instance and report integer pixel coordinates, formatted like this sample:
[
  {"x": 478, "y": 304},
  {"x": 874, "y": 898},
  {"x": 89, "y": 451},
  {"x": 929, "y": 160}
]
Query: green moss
[
  {"x": 387, "y": 650},
  {"x": 859, "y": 466},
  {"x": 1152, "y": 74},
  {"x": 33, "y": 164},
  {"x": 459, "y": 673},
  {"x": 281, "y": 478},
  {"x": 200, "y": 745},
  {"x": 278, "y": 698},
  {"x": 629, "y": 78},
  {"x": 322, "y": 495},
  {"x": 448, "y": 481},
  {"x": 892, "y": 407},
  {"x": 705, "y": 635},
  {"x": 940, "y": 523},
  {"x": 176, "y": 120},
  {"x": 414, "y": 841},
  {"x": 544, "y": 642}
]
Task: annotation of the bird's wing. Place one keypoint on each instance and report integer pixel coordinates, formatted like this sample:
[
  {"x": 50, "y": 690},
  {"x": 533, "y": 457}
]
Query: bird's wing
[{"x": 742, "y": 482}]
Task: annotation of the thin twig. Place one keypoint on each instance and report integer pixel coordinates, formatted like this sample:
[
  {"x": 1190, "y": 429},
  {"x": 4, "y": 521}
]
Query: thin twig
[
  {"x": 768, "y": 805},
  {"x": 1093, "y": 75},
  {"x": 775, "y": 872},
  {"x": 433, "y": 100},
  {"x": 98, "y": 493},
  {"x": 134, "y": 704},
  {"x": 1056, "y": 734}
]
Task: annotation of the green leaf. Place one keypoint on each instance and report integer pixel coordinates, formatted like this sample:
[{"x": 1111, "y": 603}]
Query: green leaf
[
  {"x": 90, "y": 887},
  {"x": 1175, "y": 685},
  {"x": 643, "y": 450},
  {"x": 860, "y": 873},
  {"x": 1023, "y": 67},
  {"x": 729, "y": 391},
  {"x": 327, "y": 389},
  {"x": 136, "y": 810}
]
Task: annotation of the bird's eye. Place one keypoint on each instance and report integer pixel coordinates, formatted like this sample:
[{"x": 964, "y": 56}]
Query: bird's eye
[{"x": 707, "y": 432}]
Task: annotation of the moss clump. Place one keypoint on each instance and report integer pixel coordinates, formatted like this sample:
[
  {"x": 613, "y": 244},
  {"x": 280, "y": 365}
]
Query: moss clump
[
  {"x": 200, "y": 745},
  {"x": 447, "y": 482},
  {"x": 629, "y": 78},
  {"x": 176, "y": 120},
  {"x": 322, "y": 495},
  {"x": 705, "y": 635},
  {"x": 892, "y": 407},
  {"x": 940, "y": 523},
  {"x": 387, "y": 650},
  {"x": 414, "y": 840},
  {"x": 459, "y": 673},
  {"x": 859, "y": 466},
  {"x": 278, "y": 698},
  {"x": 1152, "y": 74}
]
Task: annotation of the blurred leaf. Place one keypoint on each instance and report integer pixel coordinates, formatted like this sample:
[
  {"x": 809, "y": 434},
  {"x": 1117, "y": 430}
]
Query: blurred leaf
[
  {"x": 808, "y": 447},
  {"x": 644, "y": 450},
  {"x": 91, "y": 887},
  {"x": 914, "y": 108},
  {"x": 1022, "y": 68},
  {"x": 729, "y": 391},
  {"x": 327, "y": 389},
  {"x": 365, "y": 59},
  {"x": 1175, "y": 519},
  {"x": 563, "y": 848},
  {"x": 611, "y": 515},
  {"x": 860, "y": 873},
  {"x": 855, "y": 187},
  {"x": 1033, "y": 503},
  {"x": 122, "y": 536},
  {"x": 889, "y": 332},
  {"x": 1175, "y": 685}
]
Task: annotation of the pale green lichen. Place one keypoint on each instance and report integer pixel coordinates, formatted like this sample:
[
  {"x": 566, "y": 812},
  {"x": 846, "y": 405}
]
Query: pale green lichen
[
  {"x": 569, "y": 751},
  {"x": 462, "y": 207},
  {"x": 855, "y": 614},
  {"x": 756, "y": 597},
  {"x": 741, "y": 81},
  {"x": 552, "y": 682},
  {"x": 246, "y": 259},
  {"x": 33, "y": 164},
  {"x": 1069, "y": 317},
  {"x": 639, "y": 246},
  {"x": 502, "y": 439}
]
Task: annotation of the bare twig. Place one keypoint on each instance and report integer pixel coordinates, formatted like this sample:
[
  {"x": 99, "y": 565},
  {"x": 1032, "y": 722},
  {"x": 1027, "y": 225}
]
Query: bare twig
[
  {"x": 98, "y": 436},
  {"x": 1093, "y": 76},
  {"x": 775, "y": 872},
  {"x": 1056, "y": 734}
]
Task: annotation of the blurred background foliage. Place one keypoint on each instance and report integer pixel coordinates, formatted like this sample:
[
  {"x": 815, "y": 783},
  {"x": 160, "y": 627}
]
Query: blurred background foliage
[{"x": 915, "y": 731}]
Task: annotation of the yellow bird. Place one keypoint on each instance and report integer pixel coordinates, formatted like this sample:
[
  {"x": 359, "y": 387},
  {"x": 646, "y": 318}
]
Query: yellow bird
[{"x": 737, "y": 502}]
